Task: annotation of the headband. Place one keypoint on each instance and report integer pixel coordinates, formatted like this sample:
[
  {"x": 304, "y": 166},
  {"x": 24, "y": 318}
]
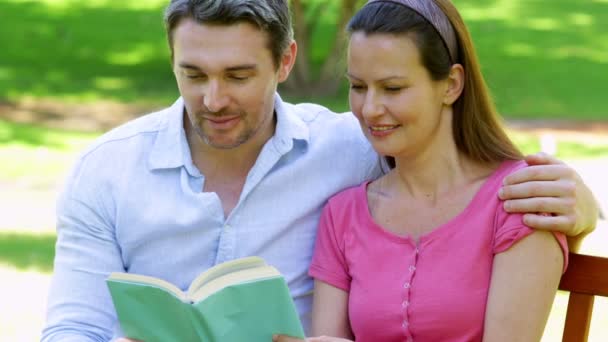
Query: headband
[{"x": 431, "y": 12}]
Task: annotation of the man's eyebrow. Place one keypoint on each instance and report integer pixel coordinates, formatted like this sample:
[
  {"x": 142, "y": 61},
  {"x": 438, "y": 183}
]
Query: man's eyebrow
[
  {"x": 243, "y": 67},
  {"x": 188, "y": 66}
]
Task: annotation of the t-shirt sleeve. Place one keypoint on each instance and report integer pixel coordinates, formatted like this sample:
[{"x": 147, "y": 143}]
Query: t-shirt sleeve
[
  {"x": 510, "y": 229},
  {"x": 329, "y": 262}
]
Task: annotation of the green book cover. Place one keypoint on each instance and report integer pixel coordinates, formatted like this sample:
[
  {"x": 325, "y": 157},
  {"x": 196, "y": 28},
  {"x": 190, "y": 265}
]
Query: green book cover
[{"x": 240, "y": 300}]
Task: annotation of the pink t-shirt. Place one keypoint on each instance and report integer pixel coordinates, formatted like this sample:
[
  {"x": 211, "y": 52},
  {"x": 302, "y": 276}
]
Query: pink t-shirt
[{"x": 434, "y": 291}]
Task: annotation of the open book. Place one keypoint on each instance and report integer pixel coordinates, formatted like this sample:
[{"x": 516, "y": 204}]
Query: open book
[{"x": 240, "y": 300}]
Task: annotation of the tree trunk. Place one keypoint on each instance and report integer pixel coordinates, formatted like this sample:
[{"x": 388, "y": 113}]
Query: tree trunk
[{"x": 327, "y": 83}]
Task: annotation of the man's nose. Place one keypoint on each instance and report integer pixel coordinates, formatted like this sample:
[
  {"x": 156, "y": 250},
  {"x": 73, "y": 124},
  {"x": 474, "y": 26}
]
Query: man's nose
[{"x": 215, "y": 97}]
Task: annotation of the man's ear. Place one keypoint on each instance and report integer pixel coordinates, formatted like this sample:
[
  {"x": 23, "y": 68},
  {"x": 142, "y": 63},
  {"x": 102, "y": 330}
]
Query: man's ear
[
  {"x": 455, "y": 84},
  {"x": 288, "y": 60}
]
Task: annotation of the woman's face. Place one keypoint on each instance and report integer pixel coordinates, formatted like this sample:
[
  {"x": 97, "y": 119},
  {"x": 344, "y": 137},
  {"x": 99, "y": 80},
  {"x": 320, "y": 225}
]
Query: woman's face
[{"x": 400, "y": 108}]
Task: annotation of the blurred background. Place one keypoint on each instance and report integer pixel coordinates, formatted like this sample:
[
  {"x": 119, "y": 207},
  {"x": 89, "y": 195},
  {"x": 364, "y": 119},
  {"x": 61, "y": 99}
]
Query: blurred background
[{"x": 71, "y": 70}]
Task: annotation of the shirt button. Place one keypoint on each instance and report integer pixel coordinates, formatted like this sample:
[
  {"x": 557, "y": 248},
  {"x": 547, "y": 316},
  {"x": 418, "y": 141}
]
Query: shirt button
[
  {"x": 406, "y": 285},
  {"x": 417, "y": 250},
  {"x": 412, "y": 268},
  {"x": 227, "y": 227},
  {"x": 405, "y": 304},
  {"x": 405, "y": 324}
]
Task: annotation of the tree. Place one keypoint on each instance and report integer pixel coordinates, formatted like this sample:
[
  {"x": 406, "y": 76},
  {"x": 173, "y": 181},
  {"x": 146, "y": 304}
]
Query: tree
[{"x": 324, "y": 79}]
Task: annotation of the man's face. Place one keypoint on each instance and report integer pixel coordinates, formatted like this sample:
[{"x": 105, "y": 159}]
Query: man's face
[{"x": 227, "y": 78}]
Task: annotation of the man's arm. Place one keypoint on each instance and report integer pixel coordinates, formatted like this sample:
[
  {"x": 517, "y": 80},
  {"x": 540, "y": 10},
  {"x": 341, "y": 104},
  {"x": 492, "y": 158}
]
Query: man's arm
[
  {"x": 79, "y": 304},
  {"x": 553, "y": 196}
]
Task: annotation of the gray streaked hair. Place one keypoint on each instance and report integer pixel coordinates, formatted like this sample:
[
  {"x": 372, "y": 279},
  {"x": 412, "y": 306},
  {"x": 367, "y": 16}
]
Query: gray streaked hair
[{"x": 270, "y": 16}]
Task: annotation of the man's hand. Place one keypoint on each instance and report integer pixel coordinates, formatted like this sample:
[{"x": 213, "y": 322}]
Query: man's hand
[
  {"x": 283, "y": 338},
  {"x": 552, "y": 195}
]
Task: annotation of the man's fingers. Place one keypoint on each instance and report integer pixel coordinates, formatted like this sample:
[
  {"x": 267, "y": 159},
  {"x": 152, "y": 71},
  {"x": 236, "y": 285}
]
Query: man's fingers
[
  {"x": 542, "y": 158},
  {"x": 540, "y": 205},
  {"x": 558, "y": 223},
  {"x": 540, "y": 173},
  {"x": 538, "y": 189}
]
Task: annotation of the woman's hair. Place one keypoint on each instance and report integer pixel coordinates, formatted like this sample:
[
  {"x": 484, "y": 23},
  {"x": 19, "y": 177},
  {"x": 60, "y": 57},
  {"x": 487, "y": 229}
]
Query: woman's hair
[{"x": 476, "y": 126}]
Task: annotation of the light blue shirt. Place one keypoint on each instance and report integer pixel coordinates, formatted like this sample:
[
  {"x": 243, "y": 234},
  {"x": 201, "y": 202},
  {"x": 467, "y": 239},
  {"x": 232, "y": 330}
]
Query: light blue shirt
[{"x": 134, "y": 203}]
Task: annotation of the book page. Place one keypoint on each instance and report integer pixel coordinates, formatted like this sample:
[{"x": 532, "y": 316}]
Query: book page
[
  {"x": 240, "y": 277},
  {"x": 224, "y": 268},
  {"x": 147, "y": 280}
]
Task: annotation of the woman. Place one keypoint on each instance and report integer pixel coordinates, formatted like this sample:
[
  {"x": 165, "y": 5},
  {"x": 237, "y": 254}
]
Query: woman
[{"x": 427, "y": 251}]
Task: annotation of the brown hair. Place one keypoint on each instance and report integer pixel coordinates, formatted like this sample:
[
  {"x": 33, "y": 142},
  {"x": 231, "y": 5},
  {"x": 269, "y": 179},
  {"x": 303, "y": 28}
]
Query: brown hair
[
  {"x": 477, "y": 127},
  {"x": 270, "y": 16}
]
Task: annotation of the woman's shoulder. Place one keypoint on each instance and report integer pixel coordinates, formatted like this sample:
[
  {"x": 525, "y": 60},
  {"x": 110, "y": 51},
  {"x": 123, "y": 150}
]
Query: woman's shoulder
[{"x": 349, "y": 196}]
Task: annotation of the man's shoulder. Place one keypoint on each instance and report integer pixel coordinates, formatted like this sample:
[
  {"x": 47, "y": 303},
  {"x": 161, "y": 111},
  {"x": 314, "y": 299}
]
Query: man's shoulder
[
  {"x": 145, "y": 125},
  {"x": 312, "y": 112}
]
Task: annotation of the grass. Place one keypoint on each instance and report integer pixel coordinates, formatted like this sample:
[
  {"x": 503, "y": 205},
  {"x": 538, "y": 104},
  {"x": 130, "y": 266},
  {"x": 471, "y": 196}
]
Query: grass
[
  {"x": 27, "y": 251},
  {"x": 25, "y": 150},
  {"x": 542, "y": 58},
  {"x": 85, "y": 51}
]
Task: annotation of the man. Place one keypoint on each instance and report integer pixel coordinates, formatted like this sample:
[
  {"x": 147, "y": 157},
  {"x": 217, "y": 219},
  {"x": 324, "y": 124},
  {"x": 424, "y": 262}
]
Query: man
[{"x": 229, "y": 170}]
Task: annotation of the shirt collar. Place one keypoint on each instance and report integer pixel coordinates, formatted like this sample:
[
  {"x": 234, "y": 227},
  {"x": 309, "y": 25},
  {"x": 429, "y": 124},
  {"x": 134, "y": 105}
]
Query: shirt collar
[{"x": 171, "y": 148}]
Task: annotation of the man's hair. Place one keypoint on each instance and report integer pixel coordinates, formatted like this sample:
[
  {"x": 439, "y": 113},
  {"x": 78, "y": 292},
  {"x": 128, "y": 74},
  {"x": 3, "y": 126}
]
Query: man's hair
[
  {"x": 477, "y": 127},
  {"x": 270, "y": 16}
]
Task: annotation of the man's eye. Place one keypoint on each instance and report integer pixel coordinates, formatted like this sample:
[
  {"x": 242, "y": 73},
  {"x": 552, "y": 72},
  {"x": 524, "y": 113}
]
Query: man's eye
[
  {"x": 393, "y": 89},
  {"x": 356, "y": 87},
  {"x": 239, "y": 78},
  {"x": 193, "y": 77}
]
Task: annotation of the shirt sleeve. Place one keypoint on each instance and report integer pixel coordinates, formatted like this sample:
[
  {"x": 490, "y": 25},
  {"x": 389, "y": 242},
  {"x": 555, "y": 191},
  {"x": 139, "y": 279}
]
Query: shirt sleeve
[
  {"x": 329, "y": 262},
  {"x": 510, "y": 229},
  {"x": 79, "y": 304}
]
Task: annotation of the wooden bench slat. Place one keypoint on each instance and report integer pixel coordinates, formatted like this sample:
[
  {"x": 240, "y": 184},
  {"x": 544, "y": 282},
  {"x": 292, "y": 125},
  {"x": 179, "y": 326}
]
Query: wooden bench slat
[{"x": 586, "y": 277}]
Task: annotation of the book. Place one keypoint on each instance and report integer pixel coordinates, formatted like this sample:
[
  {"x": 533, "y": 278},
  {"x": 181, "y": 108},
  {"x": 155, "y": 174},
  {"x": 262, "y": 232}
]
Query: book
[{"x": 239, "y": 300}]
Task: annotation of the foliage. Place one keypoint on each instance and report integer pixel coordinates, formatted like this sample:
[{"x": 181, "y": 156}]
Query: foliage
[{"x": 542, "y": 58}]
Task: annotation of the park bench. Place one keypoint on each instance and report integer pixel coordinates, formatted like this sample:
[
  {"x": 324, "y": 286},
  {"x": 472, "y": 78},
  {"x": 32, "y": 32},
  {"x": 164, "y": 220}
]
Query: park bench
[{"x": 586, "y": 277}]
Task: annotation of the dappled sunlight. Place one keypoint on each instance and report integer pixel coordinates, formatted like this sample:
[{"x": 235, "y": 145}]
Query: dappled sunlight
[
  {"x": 135, "y": 55},
  {"x": 521, "y": 49},
  {"x": 78, "y": 50},
  {"x": 484, "y": 10},
  {"x": 134, "y": 5},
  {"x": 111, "y": 83},
  {"x": 541, "y": 24},
  {"x": 581, "y": 19}
]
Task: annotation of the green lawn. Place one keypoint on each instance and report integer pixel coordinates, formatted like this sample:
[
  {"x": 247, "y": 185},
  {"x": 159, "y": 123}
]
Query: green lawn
[
  {"x": 542, "y": 58},
  {"x": 24, "y": 148}
]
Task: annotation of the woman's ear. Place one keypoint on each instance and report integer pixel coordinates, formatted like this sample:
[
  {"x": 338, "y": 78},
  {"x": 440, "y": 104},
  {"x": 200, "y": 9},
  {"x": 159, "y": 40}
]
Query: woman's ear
[{"x": 455, "y": 84}]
